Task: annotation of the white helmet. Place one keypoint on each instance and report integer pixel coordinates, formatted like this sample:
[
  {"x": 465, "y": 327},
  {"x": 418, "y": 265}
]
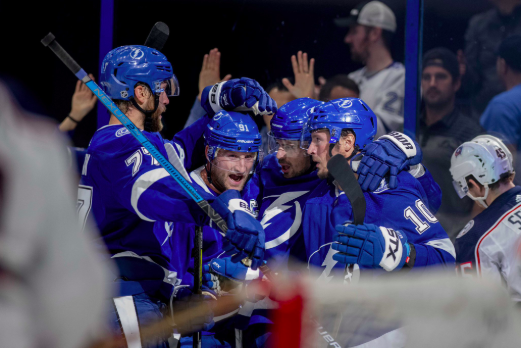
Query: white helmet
[{"x": 486, "y": 158}]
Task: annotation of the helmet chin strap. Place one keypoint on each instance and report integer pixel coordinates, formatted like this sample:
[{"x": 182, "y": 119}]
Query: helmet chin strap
[
  {"x": 480, "y": 200},
  {"x": 148, "y": 113}
]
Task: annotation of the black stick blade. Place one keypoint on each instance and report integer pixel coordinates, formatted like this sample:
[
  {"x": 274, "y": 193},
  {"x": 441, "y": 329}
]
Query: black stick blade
[
  {"x": 341, "y": 171},
  {"x": 158, "y": 35}
]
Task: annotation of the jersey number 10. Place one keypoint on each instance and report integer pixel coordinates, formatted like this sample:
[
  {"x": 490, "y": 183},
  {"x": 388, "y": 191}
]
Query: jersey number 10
[{"x": 421, "y": 226}]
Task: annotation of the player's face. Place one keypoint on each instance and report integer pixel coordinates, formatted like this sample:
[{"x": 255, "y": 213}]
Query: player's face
[
  {"x": 358, "y": 41},
  {"x": 319, "y": 151},
  {"x": 292, "y": 159},
  {"x": 438, "y": 87},
  {"x": 157, "y": 124},
  {"x": 231, "y": 169}
]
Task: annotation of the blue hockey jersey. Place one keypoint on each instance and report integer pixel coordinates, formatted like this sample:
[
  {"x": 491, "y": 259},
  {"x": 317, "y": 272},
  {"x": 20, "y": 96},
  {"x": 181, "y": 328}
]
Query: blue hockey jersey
[
  {"x": 489, "y": 244},
  {"x": 402, "y": 209},
  {"x": 128, "y": 191},
  {"x": 281, "y": 202}
]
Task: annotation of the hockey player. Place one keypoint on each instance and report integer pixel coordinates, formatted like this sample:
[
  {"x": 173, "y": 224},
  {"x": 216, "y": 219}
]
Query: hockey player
[
  {"x": 489, "y": 244},
  {"x": 128, "y": 191},
  {"x": 345, "y": 126}
]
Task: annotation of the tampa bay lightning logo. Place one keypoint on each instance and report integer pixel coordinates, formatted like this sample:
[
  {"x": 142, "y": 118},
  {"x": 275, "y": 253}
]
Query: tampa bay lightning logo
[
  {"x": 137, "y": 53},
  {"x": 217, "y": 116},
  {"x": 121, "y": 132},
  {"x": 345, "y": 103},
  {"x": 169, "y": 228}
]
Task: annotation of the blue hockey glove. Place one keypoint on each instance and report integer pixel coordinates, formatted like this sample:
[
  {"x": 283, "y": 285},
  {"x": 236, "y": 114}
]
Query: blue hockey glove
[
  {"x": 371, "y": 246},
  {"x": 184, "y": 300},
  {"x": 245, "y": 236},
  {"x": 242, "y": 94},
  {"x": 211, "y": 280},
  {"x": 235, "y": 271},
  {"x": 391, "y": 153}
]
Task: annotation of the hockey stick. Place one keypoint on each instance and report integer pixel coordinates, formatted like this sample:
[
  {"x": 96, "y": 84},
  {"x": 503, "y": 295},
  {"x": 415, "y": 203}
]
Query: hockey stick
[
  {"x": 341, "y": 171},
  {"x": 50, "y": 41},
  {"x": 198, "y": 276},
  {"x": 158, "y": 35}
]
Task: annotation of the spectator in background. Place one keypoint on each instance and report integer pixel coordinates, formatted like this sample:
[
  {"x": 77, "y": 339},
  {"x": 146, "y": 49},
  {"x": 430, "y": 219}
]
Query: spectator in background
[
  {"x": 338, "y": 86},
  {"x": 381, "y": 80},
  {"x": 210, "y": 75},
  {"x": 484, "y": 34},
  {"x": 83, "y": 101},
  {"x": 502, "y": 117},
  {"x": 443, "y": 127}
]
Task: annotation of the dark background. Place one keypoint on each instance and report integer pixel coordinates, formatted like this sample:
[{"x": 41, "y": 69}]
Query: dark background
[{"x": 256, "y": 38}]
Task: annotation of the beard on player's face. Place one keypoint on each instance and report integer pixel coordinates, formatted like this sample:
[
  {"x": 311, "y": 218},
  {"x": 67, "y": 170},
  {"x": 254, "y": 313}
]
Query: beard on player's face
[
  {"x": 294, "y": 166},
  {"x": 156, "y": 124}
]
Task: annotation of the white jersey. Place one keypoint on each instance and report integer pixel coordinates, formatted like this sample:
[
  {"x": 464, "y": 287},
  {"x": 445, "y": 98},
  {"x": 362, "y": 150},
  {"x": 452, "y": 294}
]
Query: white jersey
[
  {"x": 54, "y": 285},
  {"x": 384, "y": 92},
  {"x": 489, "y": 245}
]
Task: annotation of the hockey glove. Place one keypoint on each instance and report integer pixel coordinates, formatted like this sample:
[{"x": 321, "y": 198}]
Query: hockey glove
[
  {"x": 235, "y": 271},
  {"x": 211, "y": 280},
  {"x": 371, "y": 246},
  {"x": 195, "y": 317},
  {"x": 242, "y": 94},
  {"x": 245, "y": 236},
  {"x": 391, "y": 153}
]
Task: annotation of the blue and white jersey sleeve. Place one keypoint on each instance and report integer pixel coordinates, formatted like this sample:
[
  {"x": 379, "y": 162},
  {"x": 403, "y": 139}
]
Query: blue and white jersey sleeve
[
  {"x": 141, "y": 185},
  {"x": 430, "y": 187}
]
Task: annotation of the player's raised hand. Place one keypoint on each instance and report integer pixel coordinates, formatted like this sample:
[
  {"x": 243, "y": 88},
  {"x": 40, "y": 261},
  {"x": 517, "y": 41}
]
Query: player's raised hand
[
  {"x": 371, "y": 246},
  {"x": 390, "y": 154},
  {"x": 304, "y": 76},
  {"x": 83, "y": 100},
  {"x": 211, "y": 71}
]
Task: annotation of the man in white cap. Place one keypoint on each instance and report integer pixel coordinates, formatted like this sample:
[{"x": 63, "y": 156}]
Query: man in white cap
[
  {"x": 382, "y": 80},
  {"x": 489, "y": 245}
]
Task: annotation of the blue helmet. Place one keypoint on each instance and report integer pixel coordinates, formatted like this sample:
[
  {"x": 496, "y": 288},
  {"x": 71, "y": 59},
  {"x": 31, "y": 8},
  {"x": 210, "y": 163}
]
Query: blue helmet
[
  {"x": 234, "y": 131},
  {"x": 287, "y": 123},
  {"x": 125, "y": 66},
  {"x": 345, "y": 113}
]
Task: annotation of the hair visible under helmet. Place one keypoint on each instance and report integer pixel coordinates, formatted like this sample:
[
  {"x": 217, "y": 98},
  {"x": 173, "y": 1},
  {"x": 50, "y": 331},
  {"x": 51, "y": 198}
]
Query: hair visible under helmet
[
  {"x": 344, "y": 114},
  {"x": 124, "y": 67},
  {"x": 287, "y": 123},
  {"x": 486, "y": 158},
  {"x": 233, "y": 131}
]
